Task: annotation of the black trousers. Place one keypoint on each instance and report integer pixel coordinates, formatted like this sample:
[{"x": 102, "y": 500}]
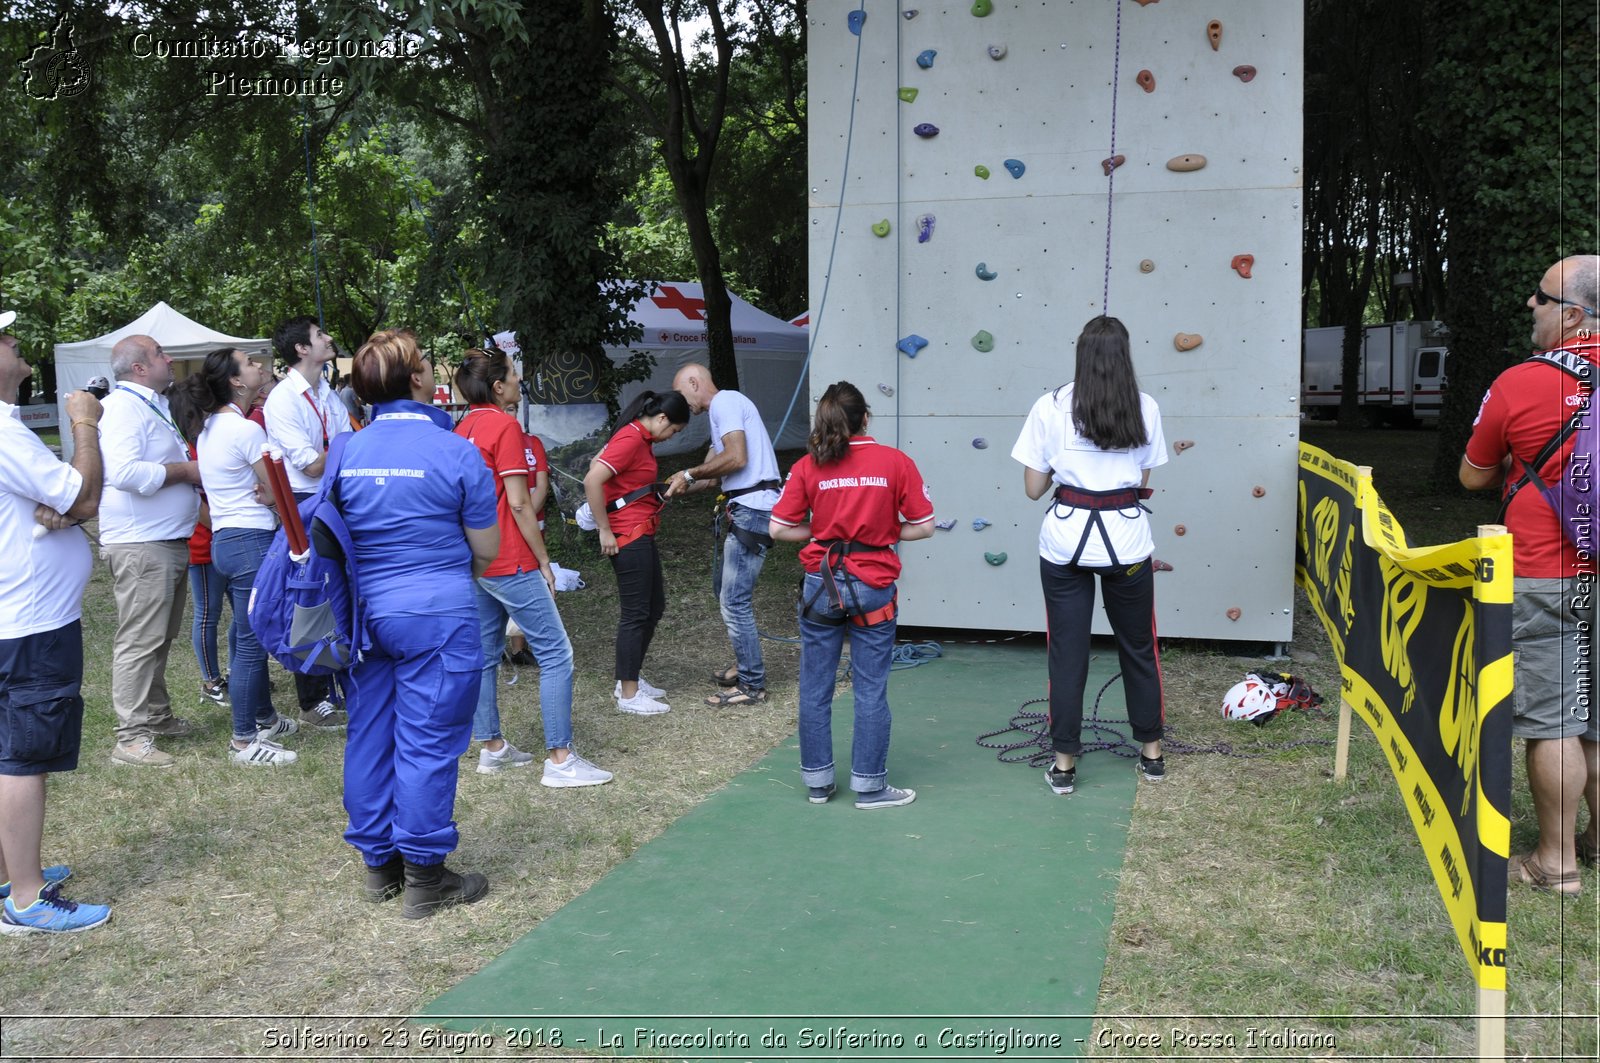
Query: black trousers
[
  {"x": 642, "y": 593},
  {"x": 1128, "y": 592}
]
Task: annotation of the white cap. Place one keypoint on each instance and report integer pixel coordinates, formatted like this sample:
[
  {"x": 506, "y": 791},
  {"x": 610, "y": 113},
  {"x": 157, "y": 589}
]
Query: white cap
[
  {"x": 7, "y": 318},
  {"x": 507, "y": 341}
]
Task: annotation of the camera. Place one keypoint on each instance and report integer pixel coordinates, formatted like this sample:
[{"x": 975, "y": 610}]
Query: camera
[{"x": 99, "y": 387}]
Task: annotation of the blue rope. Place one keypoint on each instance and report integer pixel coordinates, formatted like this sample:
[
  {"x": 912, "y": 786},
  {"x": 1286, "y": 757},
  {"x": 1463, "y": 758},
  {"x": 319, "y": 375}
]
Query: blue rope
[
  {"x": 827, "y": 277},
  {"x": 1111, "y": 174}
]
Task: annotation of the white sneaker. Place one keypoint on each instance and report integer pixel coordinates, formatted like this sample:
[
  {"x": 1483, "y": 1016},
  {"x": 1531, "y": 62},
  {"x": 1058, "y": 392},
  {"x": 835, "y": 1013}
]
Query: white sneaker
[
  {"x": 574, "y": 771},
  {"x": 647, "y": 688},
  {"x": 262, "y": 754},
  {"x": 283, "y": 727},
  {"x": 642, "y": 704},
  {"x": 509, "y": 756}
]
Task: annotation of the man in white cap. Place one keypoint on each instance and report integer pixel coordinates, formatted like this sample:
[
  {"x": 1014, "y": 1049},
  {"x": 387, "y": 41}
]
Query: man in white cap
[{"x": 42, "y": 500}]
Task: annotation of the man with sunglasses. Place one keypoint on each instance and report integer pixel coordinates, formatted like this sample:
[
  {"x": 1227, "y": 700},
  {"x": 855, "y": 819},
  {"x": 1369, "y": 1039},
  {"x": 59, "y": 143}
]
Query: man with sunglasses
[{"x": 1552, "y": 605}]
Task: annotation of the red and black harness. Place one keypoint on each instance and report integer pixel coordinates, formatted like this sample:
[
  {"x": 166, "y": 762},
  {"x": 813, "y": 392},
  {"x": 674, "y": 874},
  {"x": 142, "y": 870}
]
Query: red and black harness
[
  {"x": 1097, "y": 502},
  {"x": 834, "y": 553}
]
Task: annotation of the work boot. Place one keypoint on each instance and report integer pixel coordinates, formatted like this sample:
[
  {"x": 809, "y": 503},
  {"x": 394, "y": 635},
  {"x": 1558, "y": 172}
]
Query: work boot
[
  {"x": 433, "y": 886},
  {"x": 385, "y": 881}
]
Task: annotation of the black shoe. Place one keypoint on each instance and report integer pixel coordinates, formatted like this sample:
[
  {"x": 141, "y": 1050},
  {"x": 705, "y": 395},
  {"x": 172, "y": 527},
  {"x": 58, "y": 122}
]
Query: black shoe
[
  {"x": 434, "y": 886},
  {"x": 523, "y": 658},
  {"x": 1152, "y": 768},
  {"x": 385, "y": 881},
  {"x": 1061, "y": 781}
]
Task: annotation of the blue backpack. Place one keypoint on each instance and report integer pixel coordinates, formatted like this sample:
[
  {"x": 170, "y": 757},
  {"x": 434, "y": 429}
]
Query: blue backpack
[
  {"x": 307, "y": 610},
  {"x": 1573, "y": 496}
]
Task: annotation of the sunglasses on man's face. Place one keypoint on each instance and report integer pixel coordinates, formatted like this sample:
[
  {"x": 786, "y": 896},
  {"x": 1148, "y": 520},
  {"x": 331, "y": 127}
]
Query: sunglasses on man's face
[{"x": 1543, "y": 298}]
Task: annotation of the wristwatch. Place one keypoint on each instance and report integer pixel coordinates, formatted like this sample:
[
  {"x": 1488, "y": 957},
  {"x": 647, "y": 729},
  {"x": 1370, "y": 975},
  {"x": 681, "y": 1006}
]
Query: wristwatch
[{"x": 688, "y": 477}]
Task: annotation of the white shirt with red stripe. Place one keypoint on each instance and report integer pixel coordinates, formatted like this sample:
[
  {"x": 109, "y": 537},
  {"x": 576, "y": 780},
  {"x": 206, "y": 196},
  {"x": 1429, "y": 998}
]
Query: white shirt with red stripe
[{"x": 863, "y": 497}]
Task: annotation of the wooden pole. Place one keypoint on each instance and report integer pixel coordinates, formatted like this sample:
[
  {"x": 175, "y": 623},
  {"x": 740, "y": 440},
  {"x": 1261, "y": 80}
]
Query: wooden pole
[{"x": 1491, "y": 1024}]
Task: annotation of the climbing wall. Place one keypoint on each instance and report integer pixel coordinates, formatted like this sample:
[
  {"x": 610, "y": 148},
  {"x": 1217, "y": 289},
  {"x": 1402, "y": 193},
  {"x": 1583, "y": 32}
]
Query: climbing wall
[{"x": 960, "y": 187}]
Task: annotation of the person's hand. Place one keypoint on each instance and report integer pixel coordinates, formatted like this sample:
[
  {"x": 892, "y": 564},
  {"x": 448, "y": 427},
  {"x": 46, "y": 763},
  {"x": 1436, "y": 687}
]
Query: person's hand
[
  {"x": 549, "y": 574},
  {"x": 608, "y": 544},
  {"x": 82, "y": 406},
  {"x": 677, "y": 485},
  {"x": 48, "y": 518},
  {"x": 265, "y": 497}
]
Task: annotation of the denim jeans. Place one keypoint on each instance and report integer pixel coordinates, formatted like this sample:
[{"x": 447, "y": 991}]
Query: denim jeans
[
  {"x": 741, "y": 567},
  {"x": 237, "y": 554},
  {"x": 525, "y": 598},
  {"x": 871, "y": 650},
  {"x": 207, "y": 588}
]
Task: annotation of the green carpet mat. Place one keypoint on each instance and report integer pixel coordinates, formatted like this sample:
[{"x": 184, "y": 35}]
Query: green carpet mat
[{"x": 970, "y": 924}]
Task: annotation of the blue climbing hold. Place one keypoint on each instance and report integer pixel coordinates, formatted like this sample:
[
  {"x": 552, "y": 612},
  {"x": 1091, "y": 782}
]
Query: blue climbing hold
[
  {"x": 925, "y": 58},
  {"x": 925, "y": 129},
  {"x": 945, "y": 525},
  {"x": 980, "y": 443},
  {"x": 1015, "y": 167},
  {"x": 855, "y": 19},
  {"x": 978, "y": 524},
  {"x": 995, "y": 559},
  {"x": 911, "y": 345},
  {"x": 985, "y": 273},
  {"x": 925, "y": 228},
  {"x": 886, "y": 389}
]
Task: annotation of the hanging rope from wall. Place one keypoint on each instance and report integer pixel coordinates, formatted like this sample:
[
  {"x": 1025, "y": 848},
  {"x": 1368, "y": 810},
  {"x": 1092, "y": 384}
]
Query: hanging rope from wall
[{"x": 1111, "y": 165}]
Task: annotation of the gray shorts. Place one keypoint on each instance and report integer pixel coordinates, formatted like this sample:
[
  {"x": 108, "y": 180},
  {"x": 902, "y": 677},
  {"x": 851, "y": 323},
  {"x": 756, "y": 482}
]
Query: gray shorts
[{"x": 1554, "y": 671}]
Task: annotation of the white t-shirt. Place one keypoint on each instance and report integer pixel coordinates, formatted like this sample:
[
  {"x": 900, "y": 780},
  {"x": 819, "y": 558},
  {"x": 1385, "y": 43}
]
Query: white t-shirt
[
  {"x": 42, "y": 580},
  {"x": 1049, "y": 443},
  {"x": 137, "y": 441},
  {"x": 228, "y": 446},
  {"x": 731, "y": 411}
]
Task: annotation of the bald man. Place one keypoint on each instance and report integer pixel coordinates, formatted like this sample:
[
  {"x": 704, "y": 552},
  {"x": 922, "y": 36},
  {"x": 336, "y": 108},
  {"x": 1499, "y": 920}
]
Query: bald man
[
  {"x": 742, "y": 459},
  {"x": 1552, "y": 606},
  {"x": 147, "y": 514}
]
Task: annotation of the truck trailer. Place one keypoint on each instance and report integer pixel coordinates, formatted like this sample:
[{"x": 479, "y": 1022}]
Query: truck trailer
[{"x": 1401, "y": 378}]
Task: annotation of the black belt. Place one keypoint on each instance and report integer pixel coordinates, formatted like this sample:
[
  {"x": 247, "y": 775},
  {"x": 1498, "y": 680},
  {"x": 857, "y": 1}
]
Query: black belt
[
  {"x": 658, "y": 489},
  {"x": 764, "y": 485}
]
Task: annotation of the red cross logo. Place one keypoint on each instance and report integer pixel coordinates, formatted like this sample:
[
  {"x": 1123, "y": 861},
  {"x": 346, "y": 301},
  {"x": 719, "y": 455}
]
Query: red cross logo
[{"x": 673, "y": 299}]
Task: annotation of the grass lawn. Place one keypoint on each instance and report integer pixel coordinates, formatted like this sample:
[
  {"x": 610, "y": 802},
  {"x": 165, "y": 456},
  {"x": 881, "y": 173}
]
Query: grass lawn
[{"x": 1254, "y": 886}]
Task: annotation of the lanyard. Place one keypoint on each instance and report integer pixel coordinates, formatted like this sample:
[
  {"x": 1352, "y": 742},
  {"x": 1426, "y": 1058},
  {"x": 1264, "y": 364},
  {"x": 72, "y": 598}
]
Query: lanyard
[
  {"x": 159, "y": 412},
  {"x": 321, "y": 416}
]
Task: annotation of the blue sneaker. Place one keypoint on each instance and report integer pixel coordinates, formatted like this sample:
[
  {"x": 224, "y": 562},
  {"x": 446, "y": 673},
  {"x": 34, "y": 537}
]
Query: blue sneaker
[
  {"x": 888, "y": 797},
  {"x": 52, "y": 914},
  {"x": 54, "y": 875}
]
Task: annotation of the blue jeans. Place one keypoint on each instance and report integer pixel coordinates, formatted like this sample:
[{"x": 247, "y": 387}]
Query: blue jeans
[
  {"x": 410, "y": 707},
  {"x": 736, "y": 587},
  {"x": 871, "y": 650},
  {"x": 207, "y": 589},
  {"x": 525, "y": 598},
  {"x": 236, "y": 553}
]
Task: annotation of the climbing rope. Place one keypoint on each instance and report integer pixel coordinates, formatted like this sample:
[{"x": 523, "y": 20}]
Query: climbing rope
[{"x": 1111, "y": 167}]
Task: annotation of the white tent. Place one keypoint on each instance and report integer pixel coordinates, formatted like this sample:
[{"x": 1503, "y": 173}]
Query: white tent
[
  {"x": 183, "y": 339},
  {"x": 770, "y": 354}
]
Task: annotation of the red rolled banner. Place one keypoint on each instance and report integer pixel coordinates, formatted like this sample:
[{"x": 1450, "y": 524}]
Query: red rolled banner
[{"x": 288, "y": 508}]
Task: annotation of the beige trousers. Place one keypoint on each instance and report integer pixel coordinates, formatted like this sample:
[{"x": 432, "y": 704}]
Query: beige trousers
[{"x": 150, "y": 582}]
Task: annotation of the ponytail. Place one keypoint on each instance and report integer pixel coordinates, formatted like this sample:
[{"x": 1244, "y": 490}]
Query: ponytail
[
  {"x": 841, "y": 413},
  {"x": 480, "y": 371},
  {"x": 652, "y": 403},
  {"x": 206, "y": 391}
]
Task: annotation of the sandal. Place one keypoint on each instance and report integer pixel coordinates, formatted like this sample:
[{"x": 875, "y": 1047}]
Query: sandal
[
  {"x": 728, "y": 677},
  {"x": 1588, "y": 852},
  {"x": 739, "y": 695},
  {"x": 1530, "y": 873}
]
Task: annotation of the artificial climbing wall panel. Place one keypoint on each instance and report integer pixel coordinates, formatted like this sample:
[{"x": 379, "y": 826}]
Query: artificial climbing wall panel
[{"x": 960, "y": 210}]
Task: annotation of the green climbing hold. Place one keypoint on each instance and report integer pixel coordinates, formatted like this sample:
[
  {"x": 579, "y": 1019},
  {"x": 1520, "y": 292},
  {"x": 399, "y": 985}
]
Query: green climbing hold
[
  {"x": 908, "y": 95},
  {"x": 880, "y": 228},
  {"x": 981, "y": 170},
  {"x": 995, "y": 559},
  {"x": 982, "y": 8},
  {"x": 983, "y": 341}
]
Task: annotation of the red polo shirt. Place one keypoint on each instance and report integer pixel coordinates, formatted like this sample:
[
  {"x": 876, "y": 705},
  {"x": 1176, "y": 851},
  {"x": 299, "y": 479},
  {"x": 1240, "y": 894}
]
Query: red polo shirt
[
  {"x": 499, "y": 438},
  {"x": 630, "y": 457}
]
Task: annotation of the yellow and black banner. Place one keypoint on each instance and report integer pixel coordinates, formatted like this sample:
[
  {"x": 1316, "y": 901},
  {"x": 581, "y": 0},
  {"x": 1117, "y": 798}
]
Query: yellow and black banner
[{"x": 1423, "y": 637}]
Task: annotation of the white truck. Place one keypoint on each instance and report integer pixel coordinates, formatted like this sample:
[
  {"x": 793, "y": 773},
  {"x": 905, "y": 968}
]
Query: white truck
[{"x": 1401, "y": 378}]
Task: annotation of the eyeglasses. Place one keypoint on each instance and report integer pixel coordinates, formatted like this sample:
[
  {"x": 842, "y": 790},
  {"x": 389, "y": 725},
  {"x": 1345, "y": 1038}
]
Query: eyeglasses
[{"x": 1543, "y": 297}]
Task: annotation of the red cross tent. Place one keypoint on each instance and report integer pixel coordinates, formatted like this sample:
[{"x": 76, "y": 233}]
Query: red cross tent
[{"x": 769, "y": 351}]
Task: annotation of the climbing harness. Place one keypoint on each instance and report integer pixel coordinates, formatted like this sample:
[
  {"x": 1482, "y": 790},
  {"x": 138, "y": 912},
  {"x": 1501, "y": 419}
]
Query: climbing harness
[
  {"x": 834, "y": 553},
  {"x": 1095, "y": 503}
]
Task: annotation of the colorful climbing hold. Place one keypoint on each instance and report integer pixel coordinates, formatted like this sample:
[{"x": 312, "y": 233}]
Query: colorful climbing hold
[
  {"x": 981, "y": 170},
  {"x": 1214, "y": 33},
  {"x": 978, "y": 524},
  {"x": 945, "y": 525},
  {"x": 925, "y": 228},
  {"x": 1146, "y": 80},
  {"x": 1160, "y": 565},
  {"x": 1187, "y": 341},
  {"x": 1147, "y": 265},
  {"x": 1234, "y": 613},
  {"x": 1186, "y": 163},
  {"x": 983, "y": 341},
  {"x": 1245, "y": 73},
  {"x": 995, "y": 559},
  {"x": 1241, "y": 265},
  {"x": 1112, "y": 163},
  {"x": 1182, "y": 445},
  {"x": 1258, "y": 491},
  {"x": 880, "y": 228},
  {"x": 997, "y": 52},
  {"x": 981, "y": 8},
  {"x": 854, "y": 21},
  {"x": 909, "y": 13},
  {"x": 985, "y": 273},
  {"x": 887, "y": 390},
  {"x": 1143, "y": 3},
  {"x": 1179, "y": 529},
  {"x": 1015, "y": 167},
  {"x": 908, "y": 95},
  {"x": 980, "y": 443},
  {"x": 910, "y": 345},
  {"x": 925, "y": 58},
  {"x": 925, "y": 129}
]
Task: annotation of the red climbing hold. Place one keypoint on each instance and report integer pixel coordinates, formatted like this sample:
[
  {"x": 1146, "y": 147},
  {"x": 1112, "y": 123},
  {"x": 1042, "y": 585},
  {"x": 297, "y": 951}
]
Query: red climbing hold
[
  {"x": 1245, "y": 73},
  {"x": 1182, "y": 445},
  {"x": 1241, "y": 265},
  {"x": 1112, "y": 163},
  {"x": 1160, "y": 565},
  {"x": 1258, "y": 491},
  {"x": 1180, "y": 529},
  {"x": 1146, "y": 80},
  {"x": 1234, "y": 613}
]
